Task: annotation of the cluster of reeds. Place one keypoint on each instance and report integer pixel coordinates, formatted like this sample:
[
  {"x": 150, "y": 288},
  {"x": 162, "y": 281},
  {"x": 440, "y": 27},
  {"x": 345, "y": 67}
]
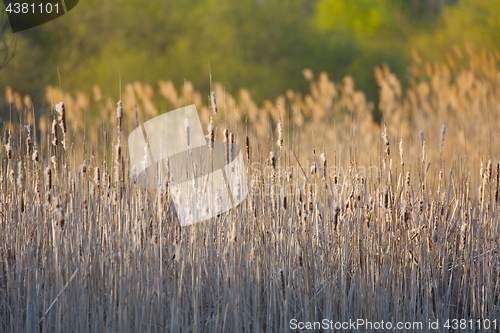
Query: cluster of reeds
[{"x": 402, "y": 226}]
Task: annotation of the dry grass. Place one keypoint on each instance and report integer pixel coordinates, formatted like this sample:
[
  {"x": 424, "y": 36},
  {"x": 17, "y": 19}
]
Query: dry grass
[{"x": 378, "y": 222}]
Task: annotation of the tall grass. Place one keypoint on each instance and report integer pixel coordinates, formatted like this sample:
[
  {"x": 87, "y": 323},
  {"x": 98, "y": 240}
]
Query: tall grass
[{"x": 345, "y": 218}]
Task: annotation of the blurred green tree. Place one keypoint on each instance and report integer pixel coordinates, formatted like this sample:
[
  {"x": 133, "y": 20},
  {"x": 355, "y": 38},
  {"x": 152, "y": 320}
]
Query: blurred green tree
[{"x": 262, "y": 45}]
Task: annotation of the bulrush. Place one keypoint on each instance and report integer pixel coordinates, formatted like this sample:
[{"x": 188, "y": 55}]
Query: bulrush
[
  {"x": 118, "y": 146},
  {"x": 272, "y": 163},
  {"x": 401, "y": 152},
  {"x": 280, "y": 136},
  {"x": 497, "y": 181},
  {"x": 324, "y": 167},
  {"x": 8, "y": 148},
  {"x": 123, "y": 262},
  {"x": 226, "y": 142},
  {"x": 28, "y": 140},
  {"x": 35, "y": 157},
  {"x": 48, "y": 178},
  {"x": 55, "y": 140},
  {"x": 211, "y": 135},
  {"x": 385, "y": 137},
  {"x": 97, "y": 178},
  {"x": 61, "y": 110},
  {"x": 247, "y": 149}
]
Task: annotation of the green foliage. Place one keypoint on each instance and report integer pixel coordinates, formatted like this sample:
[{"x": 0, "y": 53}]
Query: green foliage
[
  {"x": 473, "y": 22},
  {"x": 363, "y": 17},
  {"x": 262, "y": 45}
]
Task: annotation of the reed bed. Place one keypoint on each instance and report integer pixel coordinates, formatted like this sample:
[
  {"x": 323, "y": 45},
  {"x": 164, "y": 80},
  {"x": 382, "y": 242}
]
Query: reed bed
[{"x": 346, "y": 218}]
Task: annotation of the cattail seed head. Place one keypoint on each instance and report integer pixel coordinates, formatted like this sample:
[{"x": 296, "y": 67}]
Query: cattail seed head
[
  {"x": 54, "y": 133},
  {"x": 272, "y": 160},
  {"x": 323, "y": 159},
  {"x": 118, "y": 156},
  {"x": 247, "y": 148},
  {"x": 118, "y": 153},
  {"x": 282, "y": 284},
  {"x": 489, "y": 170},
  {"x": 497, "y": 182},
  {"x": 231, "y": 146},
  {"x": 11, "y": 176},
  {"x": 226, "y": 141},
  {"x": 211, "y": 136},
  {"x": 60, "y": 108},
  {"x": 28, "y": 140},
  {"x": 83, "y": 168},
  {"x": 310, "y": 196},
  {"x": 34, "y": 157},
  {"x": 423, "y": 152},
  {"x": 97, "y": 177},
  {"x": 336, "y": 213},
  {"x": 53, "y": 160},
  {"x": 313, "y": 167},
  {"x": 48, "y": 178},
  {"x": 8, "y": 149},
  {"x": 280, "y": 136},
  {"x": 213, "y": 102},
  {"x": 119, "y": 112},
  {"x": 385, "y": 137},
  {"x": 385, "y": 198}
]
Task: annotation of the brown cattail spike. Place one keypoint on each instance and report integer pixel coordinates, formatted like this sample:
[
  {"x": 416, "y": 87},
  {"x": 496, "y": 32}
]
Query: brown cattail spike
[
  {"x": 48, "y": 178},
  {"x": 211, "y": 135},
  {"x": 213, "y": 102},
  {"x": 231, "y": 146},
  {"x": 272, "y": 160},
  {"x": 247, "y": 148},
  {"x": 34, "y": 157},
  {"x": 55, "y": 140},
  {"x": 97, "y": 178},
  {"x": 401, "y": 152},
  {"x": 497, "y": 182},
  {"x": 280, "y": 136},
  {"x": 8, "y": 149},
  {"x": 119, "y": 112},
  {"x": 61, "y": 109},
  {"x": 226, "y": 141},
  {"x": 28, "y": 141},
  {"x": 385, "y": 137},
  {"x": 323, "y": 159}
]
